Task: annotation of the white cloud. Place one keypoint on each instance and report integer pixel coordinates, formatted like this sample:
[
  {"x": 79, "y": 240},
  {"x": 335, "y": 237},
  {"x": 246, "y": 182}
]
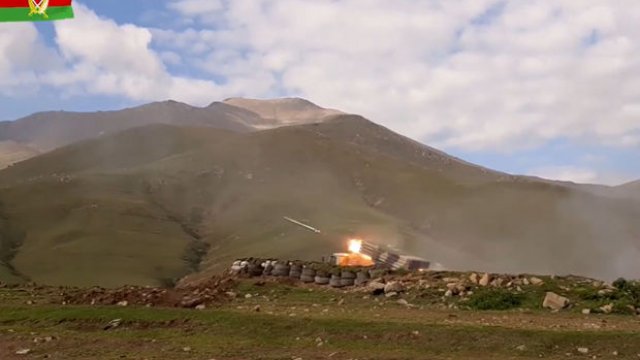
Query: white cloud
[
  {"x": 197, "y": 7},
  {"x": 95, "y": 56},
  {"x": 566, "y": 173},
  {"x": 578, "y": 174},
  {"x": 113, "y": 59},
  {"x": 531, "y": 72},
  {"x": 22, "y": 57}
]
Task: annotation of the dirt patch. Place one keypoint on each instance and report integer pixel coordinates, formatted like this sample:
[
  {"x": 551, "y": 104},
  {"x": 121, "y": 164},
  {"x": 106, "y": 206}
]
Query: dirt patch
[{"x": 213, "y": 291}]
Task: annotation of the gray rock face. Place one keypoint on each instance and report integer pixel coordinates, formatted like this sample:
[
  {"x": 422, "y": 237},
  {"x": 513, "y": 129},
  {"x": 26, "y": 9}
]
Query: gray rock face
[{"x": 554, "y": 301}]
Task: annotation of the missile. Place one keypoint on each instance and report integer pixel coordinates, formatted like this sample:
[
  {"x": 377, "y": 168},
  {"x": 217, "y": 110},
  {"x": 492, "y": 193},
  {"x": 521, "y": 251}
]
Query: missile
[{"x": 310, "y": 228}]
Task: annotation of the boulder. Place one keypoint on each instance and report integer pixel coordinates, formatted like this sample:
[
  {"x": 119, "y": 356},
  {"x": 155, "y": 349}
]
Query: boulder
[
  {"x": 473, "y": 278},
  {"x": 554, "y": 301},
  {"x": 393, "y": 286},
  {"x": 376, "y": 287},
  {"x": 607, "y": 309},
  {"x": 485, "y": 280},
  {"x": 536, "y": 281}
]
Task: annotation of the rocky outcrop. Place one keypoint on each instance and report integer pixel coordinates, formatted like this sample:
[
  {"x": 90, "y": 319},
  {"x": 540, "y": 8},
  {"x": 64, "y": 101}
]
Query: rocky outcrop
[{"x": 554, "y": 301}]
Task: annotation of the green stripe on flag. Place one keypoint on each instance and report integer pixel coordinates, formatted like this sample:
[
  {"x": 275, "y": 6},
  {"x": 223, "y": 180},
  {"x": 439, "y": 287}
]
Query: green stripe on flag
[{"x": 22, "y": 14}]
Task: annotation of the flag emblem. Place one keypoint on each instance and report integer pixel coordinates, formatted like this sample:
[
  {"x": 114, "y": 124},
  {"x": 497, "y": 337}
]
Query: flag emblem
[
  {"x": 35, "y": 10},
  {"x": 38, "y": 7}
]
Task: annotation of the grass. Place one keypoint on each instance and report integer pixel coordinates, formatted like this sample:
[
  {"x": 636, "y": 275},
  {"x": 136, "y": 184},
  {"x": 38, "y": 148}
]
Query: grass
[
  {"x": 348, "y": 329},
  {"x": 495, "y": 299}
]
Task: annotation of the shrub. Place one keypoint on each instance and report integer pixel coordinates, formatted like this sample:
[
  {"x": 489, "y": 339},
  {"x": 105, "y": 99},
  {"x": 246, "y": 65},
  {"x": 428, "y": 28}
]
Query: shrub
[
  {"x": 495, "y": 299},
  {"x": 620, "y": 283},
  {"x": 624, "y": 307},
  {"x": 630, "y": 290}
]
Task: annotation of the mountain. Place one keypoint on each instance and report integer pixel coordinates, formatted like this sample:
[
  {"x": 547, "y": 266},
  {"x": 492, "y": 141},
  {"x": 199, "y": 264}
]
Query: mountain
[
  {"x": 151, "y": 204},
  {"x": 632, "y": 186},
  {"x": 628, "y": 190},
  {"x": 12, "y": 152},
  {"x": 49, "y": 130},
  {"x": 280, "y": 112},
  {"x": 45, "y": 131}
]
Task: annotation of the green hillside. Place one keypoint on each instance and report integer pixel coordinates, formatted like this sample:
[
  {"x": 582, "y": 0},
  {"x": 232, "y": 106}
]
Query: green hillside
[{"x": 151, "y": 204}]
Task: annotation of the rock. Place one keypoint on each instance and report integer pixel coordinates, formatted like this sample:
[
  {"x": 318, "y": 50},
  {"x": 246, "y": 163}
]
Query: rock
[
  {"x": 391, "y": 294},
  {"x": 112, "y": 324},
  {"x": 200, "y": 307},
  {"x": 526, "y": 282},
  {"x": 23, "y": 352},
  {"x": 604, "y": 292},
  {"x": 248, "y": 296},
  {"x": 186, "y": 349},
  {"x": 448, "y": 293},
  {"x": 404, "y": 302},
  {"x": 376, "y": 287},
  {"x": 607, "y": 309},
  {"x": 554, "y": 301},
  {"x": 497, "y": 282},
  {"x": 521, "y": 347},
  {"x": 123, "y": 303},
  {"x": 452, "y": 286},
  {"x": 393, "y": 286},
  {"x": 231, "y": 294},
  {"x": 615, "y": 353},
  {"x": 485, "y": 280},
  {"x": 583, "y": 350},
  {"x": 473, "y": 278},
  {"x": 256, "y": 308},
  {"x": 586, "y": 311},
  {"x": 536, "y": 281}
]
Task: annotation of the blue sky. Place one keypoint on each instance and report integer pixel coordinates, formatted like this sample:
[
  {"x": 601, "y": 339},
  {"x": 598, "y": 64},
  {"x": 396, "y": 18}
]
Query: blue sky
[{"x": 538, "y": 87}]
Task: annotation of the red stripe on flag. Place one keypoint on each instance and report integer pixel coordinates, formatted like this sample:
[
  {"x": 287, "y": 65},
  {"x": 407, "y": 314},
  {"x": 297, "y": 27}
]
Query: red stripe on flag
[{"x": 25, "y": 3}]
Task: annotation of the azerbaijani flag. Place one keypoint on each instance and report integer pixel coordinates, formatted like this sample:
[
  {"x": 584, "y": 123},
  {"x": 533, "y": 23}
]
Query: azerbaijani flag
[{"x": 35, "y": 10}]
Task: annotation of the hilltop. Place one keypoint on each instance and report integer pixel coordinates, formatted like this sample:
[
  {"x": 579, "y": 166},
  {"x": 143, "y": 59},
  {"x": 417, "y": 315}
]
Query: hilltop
[
  {"x": 286, "y": 111},
  {"x": 151, "y": 204},
  {"x": 45, "y": 131}
]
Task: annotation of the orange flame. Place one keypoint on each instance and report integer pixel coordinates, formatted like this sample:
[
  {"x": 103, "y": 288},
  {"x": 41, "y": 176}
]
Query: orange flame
[
  {"x": 355, "y": 245},
  {"x": 354, "y": 257}
]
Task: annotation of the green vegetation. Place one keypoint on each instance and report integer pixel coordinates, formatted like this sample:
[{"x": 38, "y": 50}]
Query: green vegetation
[
  {"x": 299, "y": 322},
  {"x": 495, "y": 299}
]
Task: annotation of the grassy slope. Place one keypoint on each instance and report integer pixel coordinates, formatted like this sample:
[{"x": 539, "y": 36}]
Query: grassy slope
[
  {"x": 87, "y": 227},
  {"x": 125, "y": 208},
  {"x": 293, "y": 321}
]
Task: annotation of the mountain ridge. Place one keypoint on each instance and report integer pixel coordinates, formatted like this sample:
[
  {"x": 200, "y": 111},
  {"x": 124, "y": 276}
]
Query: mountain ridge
[{"x": 44, "y": 131}]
